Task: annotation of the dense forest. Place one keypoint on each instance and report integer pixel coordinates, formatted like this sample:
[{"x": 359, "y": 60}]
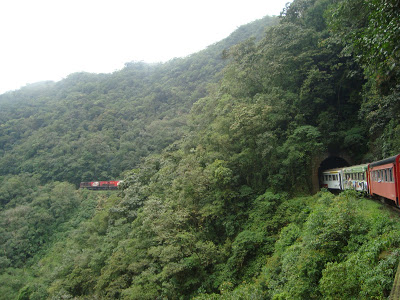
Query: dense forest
[{"x": 215, "y": 150}]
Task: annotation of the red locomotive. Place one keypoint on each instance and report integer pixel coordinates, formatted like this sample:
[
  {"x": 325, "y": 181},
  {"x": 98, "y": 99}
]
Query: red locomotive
[{"x": 101, "y": 185}]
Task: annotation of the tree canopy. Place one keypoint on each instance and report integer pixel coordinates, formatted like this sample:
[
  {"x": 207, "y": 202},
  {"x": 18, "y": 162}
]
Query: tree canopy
[{"x": 216, "y": 151}]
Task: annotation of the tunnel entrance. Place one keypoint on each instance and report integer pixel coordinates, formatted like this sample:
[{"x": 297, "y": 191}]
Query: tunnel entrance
[
  {"x": 325, "y": 161},
  {"x": 332, "y": 162}
]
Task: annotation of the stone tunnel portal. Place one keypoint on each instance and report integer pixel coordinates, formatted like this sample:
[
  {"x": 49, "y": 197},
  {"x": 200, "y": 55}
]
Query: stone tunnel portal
[
  {"x": 327, "y": 162},
  {"x": 332, "y": 162}
]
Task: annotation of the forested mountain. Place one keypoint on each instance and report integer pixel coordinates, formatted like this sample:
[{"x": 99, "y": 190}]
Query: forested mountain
[
  {"x": 216, "y": 152},
  {"x": 95, "y": 126}
]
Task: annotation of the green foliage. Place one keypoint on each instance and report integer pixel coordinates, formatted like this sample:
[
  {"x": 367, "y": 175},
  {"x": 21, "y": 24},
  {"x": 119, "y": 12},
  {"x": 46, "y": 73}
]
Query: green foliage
[
  {"x": 17, "y": 188},
  {"x": 95, "y": 126},
  {"x": 222, "y": 144},
  {"x": 342, "y": 250},
  {"x": 29, "y": 225},
  {"x": 369, "y": 31},
  {"x": 298, "y": 152},
  {"x": 244, "y": 291}
]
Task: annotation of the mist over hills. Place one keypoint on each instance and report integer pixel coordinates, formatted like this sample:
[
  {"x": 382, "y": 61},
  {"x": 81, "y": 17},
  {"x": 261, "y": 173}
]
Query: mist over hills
[
  {"x": 216, "y": 151},
  {"x": 95, "y": 126}
]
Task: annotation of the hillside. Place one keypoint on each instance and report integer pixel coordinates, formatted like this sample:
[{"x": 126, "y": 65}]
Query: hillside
[
  {"x": 95, "y": 126},
  {"x": 216, "y": 158}
]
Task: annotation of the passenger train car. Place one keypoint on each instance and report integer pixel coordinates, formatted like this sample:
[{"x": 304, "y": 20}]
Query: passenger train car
[
  {"x": 381, "y": 178},
  {"x": 384, "y": 178},
  {"x": 101, "y": 185},
  {"x": 355, "y": 178},
  {"x": 333, "y": 179}
]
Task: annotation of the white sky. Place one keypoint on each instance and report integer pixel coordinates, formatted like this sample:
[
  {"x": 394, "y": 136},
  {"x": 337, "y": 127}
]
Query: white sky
[{"x": 49, "y": 39}]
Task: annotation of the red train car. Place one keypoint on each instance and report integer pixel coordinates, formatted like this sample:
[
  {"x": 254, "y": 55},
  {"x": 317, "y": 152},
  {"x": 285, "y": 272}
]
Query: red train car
[
  {"x": 100, "y": 185},
  {"x": 384, "y": 178}
]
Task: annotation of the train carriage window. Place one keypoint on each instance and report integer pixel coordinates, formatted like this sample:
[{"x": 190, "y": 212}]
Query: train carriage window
[
  {"x": 391, "y": 174},
  {"x": 386, "y": 175}
]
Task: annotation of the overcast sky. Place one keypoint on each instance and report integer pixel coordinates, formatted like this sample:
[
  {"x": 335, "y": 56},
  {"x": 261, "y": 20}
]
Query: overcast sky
[{"x": 49, "y": 39}]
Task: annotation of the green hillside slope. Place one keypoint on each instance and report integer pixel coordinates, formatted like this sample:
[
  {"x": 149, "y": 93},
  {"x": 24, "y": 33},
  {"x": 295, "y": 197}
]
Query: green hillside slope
[
  {"x": 216, "y": 195},
  {"x": 95, "y": 126}
]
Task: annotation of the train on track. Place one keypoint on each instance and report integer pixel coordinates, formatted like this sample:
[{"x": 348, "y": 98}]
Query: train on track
[
  {"x": 101, "y": 185},
  {"x": 380, "y": 178}
]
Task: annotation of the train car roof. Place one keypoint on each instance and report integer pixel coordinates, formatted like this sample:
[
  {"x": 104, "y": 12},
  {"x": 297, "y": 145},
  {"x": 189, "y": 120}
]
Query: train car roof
[
  {"x": 357, "y": 168},
  {"x": 333, "y": 170},
  {"x": 384, "y": 161}
]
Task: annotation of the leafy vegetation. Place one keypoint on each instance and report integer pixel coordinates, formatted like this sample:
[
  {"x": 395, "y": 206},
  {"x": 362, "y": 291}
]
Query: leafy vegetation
[
  {"x": 95, "y": 126},
  {"x": 216, "y": 151}
]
